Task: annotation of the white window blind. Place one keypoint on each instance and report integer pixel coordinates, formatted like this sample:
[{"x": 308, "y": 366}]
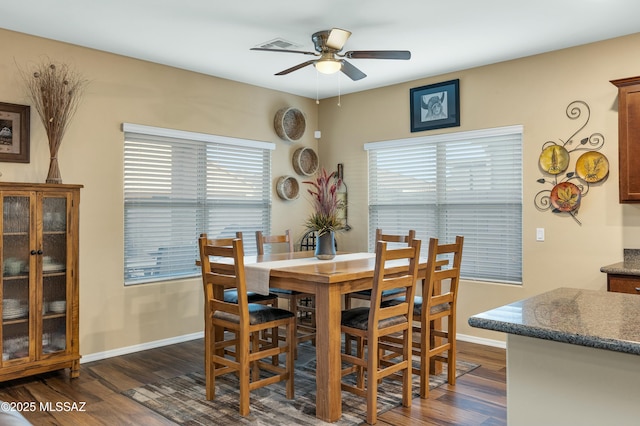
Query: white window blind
[
  {"x": 467, "y": 183},
  {"x": 178, "y": 185}
]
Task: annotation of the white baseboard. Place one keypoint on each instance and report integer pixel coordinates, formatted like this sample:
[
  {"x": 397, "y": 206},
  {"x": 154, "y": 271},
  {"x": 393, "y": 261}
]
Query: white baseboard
[
  {"x": 141, "y": 347},
  {"x": 482, "y": 341},
  {"x": 187, "y": 337}
]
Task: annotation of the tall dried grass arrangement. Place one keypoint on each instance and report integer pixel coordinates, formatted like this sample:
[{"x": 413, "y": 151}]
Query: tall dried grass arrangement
[
  {"x": 55, "y": 90},
  {"x": 325, "y": 203}
]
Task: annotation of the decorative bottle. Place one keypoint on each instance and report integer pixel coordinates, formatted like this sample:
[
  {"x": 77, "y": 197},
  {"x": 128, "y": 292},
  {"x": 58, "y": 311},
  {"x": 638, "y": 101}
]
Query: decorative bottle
[{"x": 341, "y": 195}]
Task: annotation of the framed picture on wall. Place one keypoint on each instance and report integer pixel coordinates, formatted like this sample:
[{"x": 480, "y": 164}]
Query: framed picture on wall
[
  {"x": 435, "y": 106},
  {"x": 14, "y": 133}
]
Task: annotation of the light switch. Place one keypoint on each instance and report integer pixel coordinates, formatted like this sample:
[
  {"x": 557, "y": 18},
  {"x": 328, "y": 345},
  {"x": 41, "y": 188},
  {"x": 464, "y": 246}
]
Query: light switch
[{"x": 539, "y": 234}]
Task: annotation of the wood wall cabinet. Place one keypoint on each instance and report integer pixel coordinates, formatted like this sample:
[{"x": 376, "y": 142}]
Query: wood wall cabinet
[
  {"x": 629, "y": 138},
  {"x": 623, "y": 283},
  {"x": 39, "y": 291}
]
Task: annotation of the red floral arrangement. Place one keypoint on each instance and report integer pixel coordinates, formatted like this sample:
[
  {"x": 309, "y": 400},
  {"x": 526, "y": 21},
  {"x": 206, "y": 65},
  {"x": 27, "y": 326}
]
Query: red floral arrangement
[{"x": 325, "y": 203}]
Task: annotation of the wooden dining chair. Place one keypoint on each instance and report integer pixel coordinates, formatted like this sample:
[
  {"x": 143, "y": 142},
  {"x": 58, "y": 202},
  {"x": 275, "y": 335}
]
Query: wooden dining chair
[
  {"x": 299, "y": 303},
  {"x": 366, "y": 294},
  {"x": 244, "y": 321},
  {"x": 231, "y": 295},
  {"x": 433, "y": 306},
  {"x": 389, "y": 294},
  {"x": 369, "y": 324}
]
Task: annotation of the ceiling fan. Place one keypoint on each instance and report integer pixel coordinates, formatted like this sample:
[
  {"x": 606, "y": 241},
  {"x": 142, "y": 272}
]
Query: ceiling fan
[{"x": 328, "y": 45}]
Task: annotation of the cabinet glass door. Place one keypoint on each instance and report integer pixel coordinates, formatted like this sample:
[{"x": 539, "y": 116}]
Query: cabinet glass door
[
  {"x": 54, "y": 274},
  {"x": 15, "y": 277}
]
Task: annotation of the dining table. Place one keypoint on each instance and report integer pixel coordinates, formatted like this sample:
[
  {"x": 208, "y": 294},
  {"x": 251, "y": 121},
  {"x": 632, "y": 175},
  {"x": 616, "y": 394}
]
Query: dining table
[{"x": 328, "y": 280}]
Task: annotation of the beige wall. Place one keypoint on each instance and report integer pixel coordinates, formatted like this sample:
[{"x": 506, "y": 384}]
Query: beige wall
[
  {"x": 533, "y": 92},
  {"x": 127, "y": 90}
]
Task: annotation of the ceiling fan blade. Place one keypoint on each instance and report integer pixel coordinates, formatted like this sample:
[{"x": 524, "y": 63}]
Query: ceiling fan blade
[
  {"x": 352, "y": 72},
  {"x": 297, "y": 67},
  {"x": 264, "y": 49},
  {"x": 337, "y": 38},
  {"x": 378, "y": 54}
]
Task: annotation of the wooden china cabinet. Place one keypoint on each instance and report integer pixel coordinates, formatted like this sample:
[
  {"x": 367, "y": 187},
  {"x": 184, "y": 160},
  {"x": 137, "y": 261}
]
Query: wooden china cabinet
[{"x": 39, "y": 291}]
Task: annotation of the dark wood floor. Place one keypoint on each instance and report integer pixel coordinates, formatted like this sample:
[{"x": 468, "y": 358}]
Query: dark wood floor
[{"x": 478, "y": 398}]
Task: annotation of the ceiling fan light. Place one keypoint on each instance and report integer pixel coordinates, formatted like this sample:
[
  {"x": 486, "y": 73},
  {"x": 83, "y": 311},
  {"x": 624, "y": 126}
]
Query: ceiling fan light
[
  {"x": 337, "y": 38},
  {"x": 328, "y": 66}
]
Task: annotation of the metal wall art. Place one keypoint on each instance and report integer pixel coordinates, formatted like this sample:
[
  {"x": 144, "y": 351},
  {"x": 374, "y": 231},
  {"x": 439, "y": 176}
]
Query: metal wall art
[{"x": 568, "y": 188}]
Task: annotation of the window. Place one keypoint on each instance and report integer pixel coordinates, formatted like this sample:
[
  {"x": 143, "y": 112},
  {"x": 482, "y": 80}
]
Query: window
[
  {"x": 178, "y": 185},
  {"x": 467, "y": 183}
]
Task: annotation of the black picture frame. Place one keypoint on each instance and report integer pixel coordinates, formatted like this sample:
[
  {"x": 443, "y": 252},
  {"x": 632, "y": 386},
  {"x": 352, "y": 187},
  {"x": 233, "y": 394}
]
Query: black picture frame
[
  {"x": 435, "y": 106},
  {"x": 14, "y": 133}
]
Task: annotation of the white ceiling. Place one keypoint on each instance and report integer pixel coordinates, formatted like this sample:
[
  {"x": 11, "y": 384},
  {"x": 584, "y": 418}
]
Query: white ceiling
[{"x": 214, "y": 36}]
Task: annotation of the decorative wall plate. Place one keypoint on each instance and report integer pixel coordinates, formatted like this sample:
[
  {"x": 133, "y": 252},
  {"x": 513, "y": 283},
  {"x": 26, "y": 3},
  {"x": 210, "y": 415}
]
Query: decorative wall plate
[
  {"x": 554, "y": 159},
  {"x": 565, "y": 197},
  {"x": 592, "y": 166}
]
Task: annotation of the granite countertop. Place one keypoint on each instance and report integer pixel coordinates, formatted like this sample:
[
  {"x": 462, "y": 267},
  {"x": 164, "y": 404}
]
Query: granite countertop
[
  {"x": 597, "y": 319},
  {"x": 629, "y": 266}
]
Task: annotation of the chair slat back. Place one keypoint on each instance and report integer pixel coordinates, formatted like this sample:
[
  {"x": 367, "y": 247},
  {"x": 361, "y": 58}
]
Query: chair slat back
[
  {"x": 380, "y": 236},
  {"x": 221, "y": 267},
  {"x": 222, "y": 264},
  {"x": 262, "y": 239},
  {"x": 436, "y": 275},
  {"x": 391, "y": 273}
]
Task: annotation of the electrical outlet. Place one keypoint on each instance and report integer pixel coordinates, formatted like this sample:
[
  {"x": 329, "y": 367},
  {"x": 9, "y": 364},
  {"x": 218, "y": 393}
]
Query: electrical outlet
[{"x": 539, "y": 234}]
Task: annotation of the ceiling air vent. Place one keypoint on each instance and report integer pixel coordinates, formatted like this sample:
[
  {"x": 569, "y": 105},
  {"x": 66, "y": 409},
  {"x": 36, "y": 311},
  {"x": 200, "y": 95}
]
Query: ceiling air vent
[{"x": 279, "y": 43}]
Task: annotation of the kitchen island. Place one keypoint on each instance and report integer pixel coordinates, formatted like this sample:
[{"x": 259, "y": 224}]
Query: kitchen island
[{"x": 573, "y": 357}]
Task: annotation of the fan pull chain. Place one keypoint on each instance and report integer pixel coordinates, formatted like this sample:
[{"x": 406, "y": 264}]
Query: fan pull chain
[
  {"x": 339, "y": 89},
  {"x": 317, "y": 100}
]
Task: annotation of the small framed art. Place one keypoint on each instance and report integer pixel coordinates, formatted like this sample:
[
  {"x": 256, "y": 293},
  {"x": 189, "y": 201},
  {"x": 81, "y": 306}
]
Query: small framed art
[
  {"x": 14, "y": 133},
  {"x": 435, "y": 106}
]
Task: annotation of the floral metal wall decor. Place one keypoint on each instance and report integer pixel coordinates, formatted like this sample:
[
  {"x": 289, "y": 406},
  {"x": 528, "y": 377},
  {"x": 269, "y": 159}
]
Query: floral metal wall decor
[{"x": 569, "y": 188}]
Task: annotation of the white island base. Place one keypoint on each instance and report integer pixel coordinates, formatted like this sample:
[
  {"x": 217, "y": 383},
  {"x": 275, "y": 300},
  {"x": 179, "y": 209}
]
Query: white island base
[{"x": 553, "y": 383}]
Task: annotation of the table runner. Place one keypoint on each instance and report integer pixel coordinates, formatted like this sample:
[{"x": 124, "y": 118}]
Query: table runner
[{"x": 257, "y": 274}]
